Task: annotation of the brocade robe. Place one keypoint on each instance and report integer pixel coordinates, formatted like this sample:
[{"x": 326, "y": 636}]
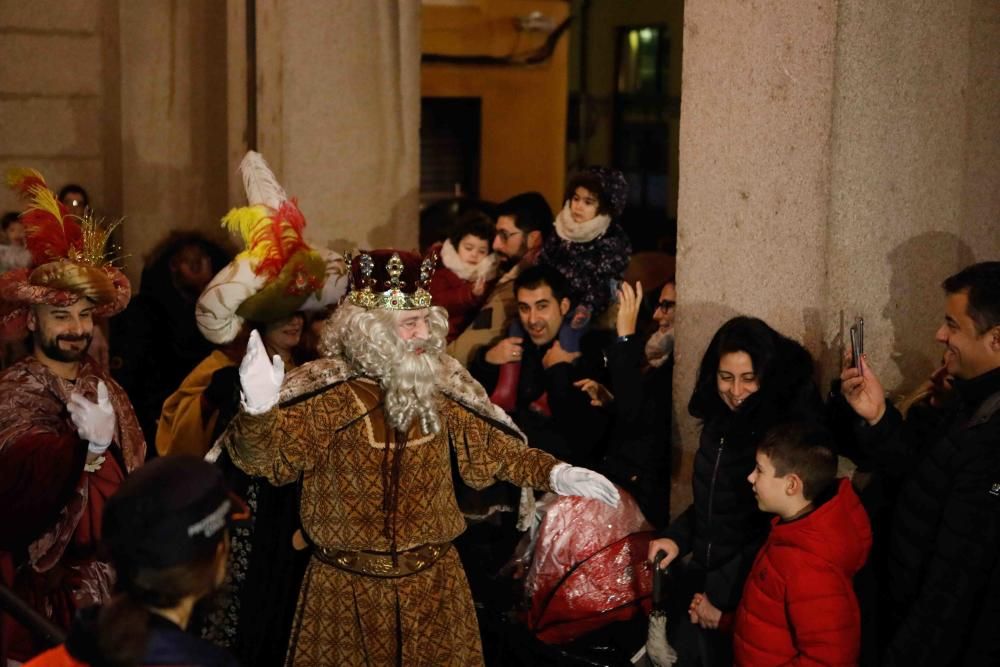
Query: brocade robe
[
  {"x": 50, "y": 507},
  {"x": 333, "y": 436}
]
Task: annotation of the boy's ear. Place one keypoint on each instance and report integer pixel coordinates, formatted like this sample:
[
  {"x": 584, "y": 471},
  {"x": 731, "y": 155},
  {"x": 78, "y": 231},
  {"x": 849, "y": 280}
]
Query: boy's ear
[
  {"x": 564, "y": 306},
  {"x": 793, "y": 485}
]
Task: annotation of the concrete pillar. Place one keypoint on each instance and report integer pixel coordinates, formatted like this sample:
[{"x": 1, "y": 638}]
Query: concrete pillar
[
  {"x": 338, "y": 108},
  {"x": 836, "y": 157},
  {"x": 173, "y": 121},
  {"x": 53, "y": 94}
]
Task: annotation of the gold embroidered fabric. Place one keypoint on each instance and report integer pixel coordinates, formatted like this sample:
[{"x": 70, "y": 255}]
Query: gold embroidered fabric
[{"x": 336, "y": 441}]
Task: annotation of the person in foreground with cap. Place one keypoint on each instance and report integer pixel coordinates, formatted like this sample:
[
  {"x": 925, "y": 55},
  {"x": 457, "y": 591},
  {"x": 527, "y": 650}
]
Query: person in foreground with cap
[
  {"x": 370, "y": 429},
  {"x": 68, "y": 434},
  {"x": 167, "y": 532}
]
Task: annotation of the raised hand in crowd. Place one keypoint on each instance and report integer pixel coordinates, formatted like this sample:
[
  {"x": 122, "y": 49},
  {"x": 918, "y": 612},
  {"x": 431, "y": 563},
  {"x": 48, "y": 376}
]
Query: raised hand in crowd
[
  {"x": 862, "y": 390},
  {"x": 260, "y": 377},
  {"x": 506, "y": 351},
  {"x": 628, "y": 308}
]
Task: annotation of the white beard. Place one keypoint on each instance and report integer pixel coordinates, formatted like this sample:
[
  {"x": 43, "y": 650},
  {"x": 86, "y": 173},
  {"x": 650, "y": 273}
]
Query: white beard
[{"x": 410, "y": 389}]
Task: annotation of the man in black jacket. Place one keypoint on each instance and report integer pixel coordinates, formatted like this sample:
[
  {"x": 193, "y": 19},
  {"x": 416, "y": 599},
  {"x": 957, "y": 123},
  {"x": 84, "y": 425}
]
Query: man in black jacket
[
  {"x": 944, "y": 544},
  {"x": 555, "y": 415}
]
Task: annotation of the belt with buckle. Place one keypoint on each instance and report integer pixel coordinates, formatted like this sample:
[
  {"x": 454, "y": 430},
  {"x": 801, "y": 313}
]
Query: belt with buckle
[{"x": 380, "y": 563}]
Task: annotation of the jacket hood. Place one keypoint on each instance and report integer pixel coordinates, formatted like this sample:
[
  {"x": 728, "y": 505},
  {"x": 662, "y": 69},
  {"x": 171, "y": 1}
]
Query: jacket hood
[{"x": 838, "y": 531}]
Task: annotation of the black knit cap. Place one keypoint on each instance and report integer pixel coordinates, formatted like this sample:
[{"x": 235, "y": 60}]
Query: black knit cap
[
  {"x": 615, "y": 187},
  {"x": 172, "y": 510}
]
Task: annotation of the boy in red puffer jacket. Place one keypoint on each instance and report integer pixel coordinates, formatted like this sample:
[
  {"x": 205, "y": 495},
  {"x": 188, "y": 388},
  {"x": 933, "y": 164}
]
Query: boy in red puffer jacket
[{"x": 798, "y": 605}]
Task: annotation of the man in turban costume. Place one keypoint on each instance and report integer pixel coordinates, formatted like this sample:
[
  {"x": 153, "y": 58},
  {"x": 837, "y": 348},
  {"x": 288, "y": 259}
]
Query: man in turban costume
[
  {"x": 68, "y": 434},
  {"x": 371, "y": 430}
]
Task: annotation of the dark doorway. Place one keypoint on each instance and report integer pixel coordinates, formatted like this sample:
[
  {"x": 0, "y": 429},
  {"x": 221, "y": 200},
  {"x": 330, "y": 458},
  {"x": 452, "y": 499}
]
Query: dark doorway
[{"x": 449, "y": 147}]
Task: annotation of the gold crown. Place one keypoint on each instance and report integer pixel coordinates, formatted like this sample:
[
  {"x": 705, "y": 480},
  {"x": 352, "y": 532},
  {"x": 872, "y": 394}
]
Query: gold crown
[{"x": 399, "y": 273}]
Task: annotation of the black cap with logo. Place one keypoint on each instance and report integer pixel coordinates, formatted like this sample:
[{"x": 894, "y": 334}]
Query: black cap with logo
[{"x": 172, "y": 510}]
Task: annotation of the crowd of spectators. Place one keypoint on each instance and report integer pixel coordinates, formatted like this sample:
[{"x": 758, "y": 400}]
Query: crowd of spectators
[{"x": 775, "y": 561}]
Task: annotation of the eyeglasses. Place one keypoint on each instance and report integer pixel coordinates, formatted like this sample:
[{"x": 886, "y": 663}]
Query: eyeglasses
[
  {"x": 505, "y": 235},
  {"x": 666, "y": 304}
]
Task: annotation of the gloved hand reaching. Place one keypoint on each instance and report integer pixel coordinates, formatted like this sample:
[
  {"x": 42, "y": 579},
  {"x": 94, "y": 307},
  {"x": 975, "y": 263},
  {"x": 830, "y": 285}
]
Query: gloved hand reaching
[
  {"x": 567, "y": 480},
  {"x": 95, "y": 422},
  {"x": 260, "y": 379}
]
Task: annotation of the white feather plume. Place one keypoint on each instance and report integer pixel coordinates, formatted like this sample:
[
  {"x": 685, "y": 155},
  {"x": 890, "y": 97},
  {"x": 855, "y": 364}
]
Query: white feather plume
[{"x": 259, "y": 182}]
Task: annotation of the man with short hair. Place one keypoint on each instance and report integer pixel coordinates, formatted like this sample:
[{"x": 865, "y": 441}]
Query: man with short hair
[
  {"x": 532, "y": 377},
  {"x": 523, "y": 223},
  {"x": 944, "y": 543},
  {"x": 371, "y": 429},
  {"x": 68, "y": 435}
]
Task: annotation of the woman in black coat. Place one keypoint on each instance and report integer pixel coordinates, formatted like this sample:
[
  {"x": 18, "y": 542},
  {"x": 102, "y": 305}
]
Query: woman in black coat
[{"x": 751, "y": 378}]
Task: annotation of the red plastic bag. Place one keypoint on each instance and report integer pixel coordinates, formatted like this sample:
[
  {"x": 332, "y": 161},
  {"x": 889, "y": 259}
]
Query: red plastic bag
[{"x": 589, "y": 567}]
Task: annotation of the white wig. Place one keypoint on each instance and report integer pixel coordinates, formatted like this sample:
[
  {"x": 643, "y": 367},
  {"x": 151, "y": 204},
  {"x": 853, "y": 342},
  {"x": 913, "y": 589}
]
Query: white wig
[{"x": 368, "y": 340}]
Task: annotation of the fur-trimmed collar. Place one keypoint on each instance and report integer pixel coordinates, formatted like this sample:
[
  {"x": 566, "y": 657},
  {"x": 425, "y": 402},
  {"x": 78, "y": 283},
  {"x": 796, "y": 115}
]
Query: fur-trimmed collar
[
  {"x": 580, "y": 232},
  {"x": 453, "y": 380},
  {"x": 486, "y": 269}
]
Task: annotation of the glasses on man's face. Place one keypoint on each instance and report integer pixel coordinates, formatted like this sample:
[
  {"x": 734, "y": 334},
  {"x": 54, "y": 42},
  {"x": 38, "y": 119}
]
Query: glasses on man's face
[
  {"x": 505, "y": 235},
  {"x": 666, "y": 304}
]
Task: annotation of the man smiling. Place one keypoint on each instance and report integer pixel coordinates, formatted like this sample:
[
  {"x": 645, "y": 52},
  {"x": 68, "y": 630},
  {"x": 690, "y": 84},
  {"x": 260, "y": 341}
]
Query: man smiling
[
  {"x": 523, "y": 222},
  {"x": 68, "y": 435},
  {"x": 539, "y": 395},
  {"x": 944, "y": 571}
]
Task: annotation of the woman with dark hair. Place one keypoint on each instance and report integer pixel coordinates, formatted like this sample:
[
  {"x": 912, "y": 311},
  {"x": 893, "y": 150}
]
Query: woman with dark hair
[
  {"x": 167, "y": 531},
  {"x": 751, "y": 378}
]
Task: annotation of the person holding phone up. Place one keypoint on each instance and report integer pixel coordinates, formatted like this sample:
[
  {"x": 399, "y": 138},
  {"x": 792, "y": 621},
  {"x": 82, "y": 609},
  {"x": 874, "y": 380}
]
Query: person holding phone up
[{"x": 944, "y": 541}]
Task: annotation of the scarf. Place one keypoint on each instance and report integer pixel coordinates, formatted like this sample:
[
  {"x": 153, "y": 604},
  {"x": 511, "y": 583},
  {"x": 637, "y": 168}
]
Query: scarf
[
  {"x": 486, "y": 269},
  {"x": 659, "y": 347},
  {"x": 580, "y": 232}
]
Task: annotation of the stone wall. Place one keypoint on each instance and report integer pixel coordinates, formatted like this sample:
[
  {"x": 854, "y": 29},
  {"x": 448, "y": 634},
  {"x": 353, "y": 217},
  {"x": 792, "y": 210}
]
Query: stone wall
[{"x": 838, "y": 159}]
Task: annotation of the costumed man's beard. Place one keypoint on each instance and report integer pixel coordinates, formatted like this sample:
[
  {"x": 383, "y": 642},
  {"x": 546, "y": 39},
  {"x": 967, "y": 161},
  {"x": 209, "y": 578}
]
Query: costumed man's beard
[
  {"x": 52, "y": 349},
  {"x": 659, "y": 347},
  {"x": 409, "y": 386},
  {"x": 407, "y": 371}
]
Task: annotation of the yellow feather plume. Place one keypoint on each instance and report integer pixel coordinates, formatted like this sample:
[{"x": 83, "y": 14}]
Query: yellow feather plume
[
  {"x": 31, "y": 186},
  {"x": 249, "y": 222}
]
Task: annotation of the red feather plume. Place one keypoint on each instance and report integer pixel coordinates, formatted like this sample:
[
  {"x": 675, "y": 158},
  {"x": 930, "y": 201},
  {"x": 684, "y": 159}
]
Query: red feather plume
[{"x": 50, "y": 231}]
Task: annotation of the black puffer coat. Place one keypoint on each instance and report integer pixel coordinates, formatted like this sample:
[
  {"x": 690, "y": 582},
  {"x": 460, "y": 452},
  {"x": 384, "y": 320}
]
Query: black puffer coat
[
  {"x": 723, "y": 527},
  {"x": 944, "y": 541}
]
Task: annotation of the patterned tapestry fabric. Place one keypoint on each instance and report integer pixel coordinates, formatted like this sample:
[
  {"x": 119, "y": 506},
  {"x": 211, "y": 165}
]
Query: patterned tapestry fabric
[
  {"x": 349, "y": 620},
  {"x": 38, "y": 445},
  {"x": 341, "y": 467},
  {"x": 336, "y": 440}
]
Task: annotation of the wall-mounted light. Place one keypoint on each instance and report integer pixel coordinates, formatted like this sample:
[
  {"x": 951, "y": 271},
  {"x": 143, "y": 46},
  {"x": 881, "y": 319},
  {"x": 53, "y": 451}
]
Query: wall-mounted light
[{"x": 535, "y": 22}]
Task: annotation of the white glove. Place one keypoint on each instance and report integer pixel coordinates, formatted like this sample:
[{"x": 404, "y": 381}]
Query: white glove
[
  {"x": 95, "y": 422},
  {"x": 260, "y": 379},
  {"x": 567, "y": 480}
]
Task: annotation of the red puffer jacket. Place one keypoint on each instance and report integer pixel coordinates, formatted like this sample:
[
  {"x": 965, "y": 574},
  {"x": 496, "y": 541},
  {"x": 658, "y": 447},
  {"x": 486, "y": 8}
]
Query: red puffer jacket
[{"x": 798, "y": 605}]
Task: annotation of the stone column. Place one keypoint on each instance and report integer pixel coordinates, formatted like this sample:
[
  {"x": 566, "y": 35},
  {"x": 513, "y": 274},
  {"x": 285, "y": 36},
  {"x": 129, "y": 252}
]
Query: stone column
[
  {"x": 338, "y": 108},
  {"x": 836, "y": 157},
  {"x": 173, "y": 121},
  {"x": 53, "y": 95}
]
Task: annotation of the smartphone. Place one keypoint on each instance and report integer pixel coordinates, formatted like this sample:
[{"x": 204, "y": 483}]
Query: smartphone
[{"x": 857, "y": 342}]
